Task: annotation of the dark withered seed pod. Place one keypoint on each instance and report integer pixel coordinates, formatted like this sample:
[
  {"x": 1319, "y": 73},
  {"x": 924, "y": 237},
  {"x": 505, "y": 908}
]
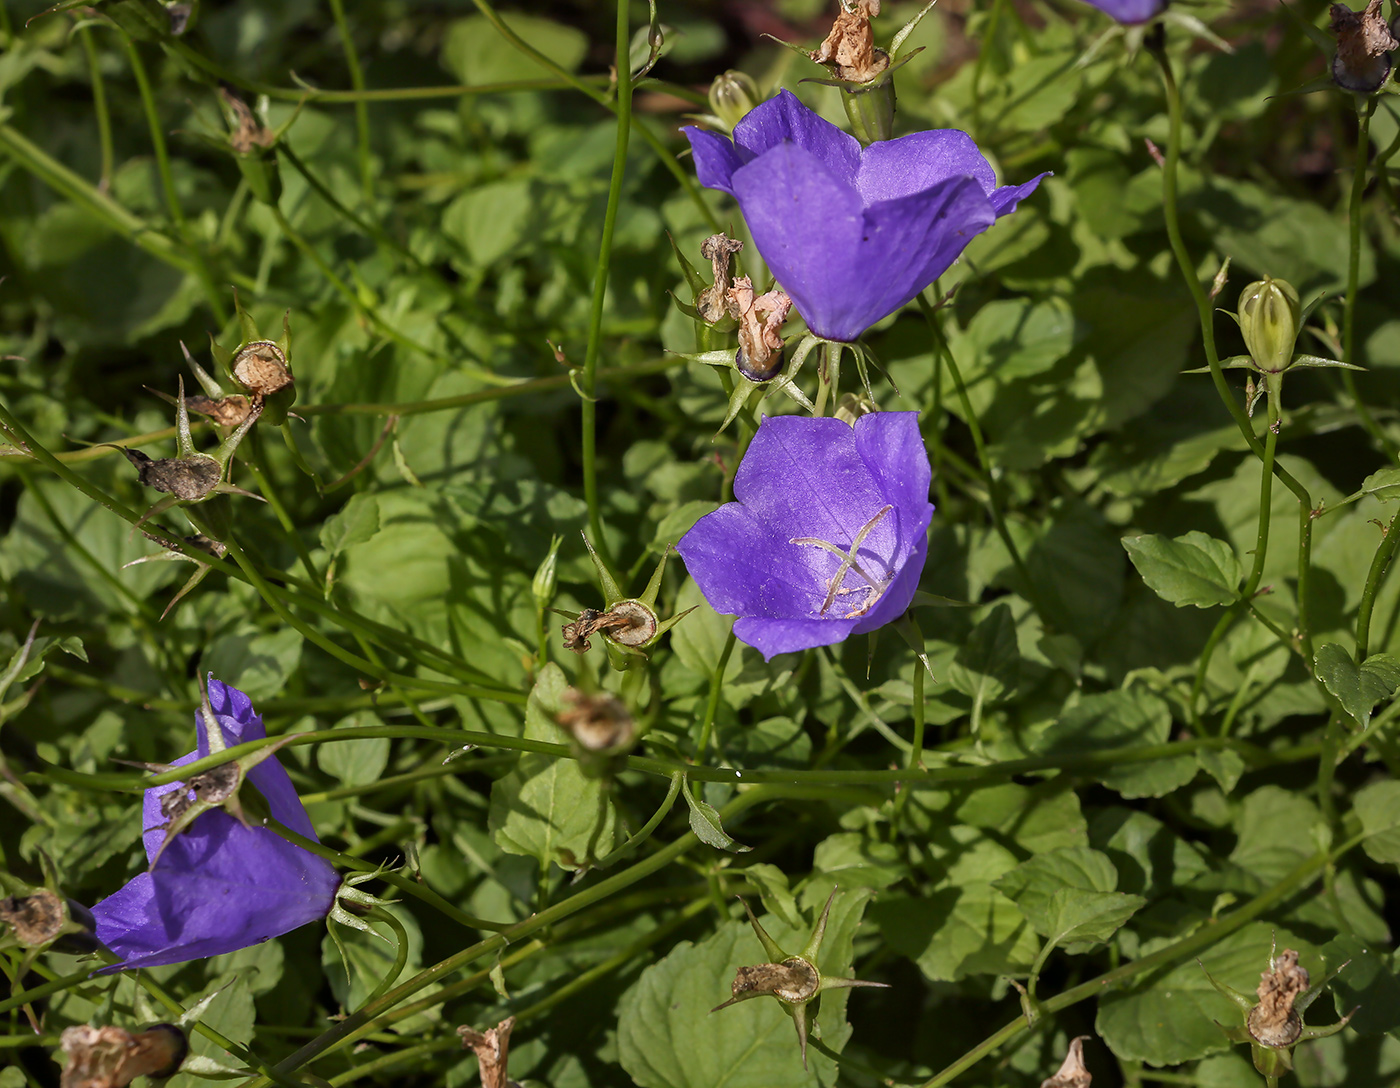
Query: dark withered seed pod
[
  {"x": 36, "y": 919},
  {"x": 598, "y": 723},
  {"x": 189, "y": 479}
]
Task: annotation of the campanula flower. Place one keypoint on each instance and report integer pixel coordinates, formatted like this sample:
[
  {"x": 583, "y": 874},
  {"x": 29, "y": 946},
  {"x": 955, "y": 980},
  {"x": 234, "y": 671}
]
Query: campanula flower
[
  {"x": 852, "y": 233},
  {"x": 219, "y": 885},
  {"x": 1130, "y": 12},
  {"x": 828, "y": 536}
]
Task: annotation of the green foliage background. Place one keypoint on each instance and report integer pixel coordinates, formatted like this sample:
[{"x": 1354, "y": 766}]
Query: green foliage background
[{"x": 1103, "y": 800}]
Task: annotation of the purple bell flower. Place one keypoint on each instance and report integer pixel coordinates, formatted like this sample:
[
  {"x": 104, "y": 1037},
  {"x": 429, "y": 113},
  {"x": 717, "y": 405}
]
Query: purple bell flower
[
  {"x": 852, "y": 233},
  {"x": 828, "y": 536},
  {"x": 1130, "y": 11},
  {"x": 218, "y": 886}
]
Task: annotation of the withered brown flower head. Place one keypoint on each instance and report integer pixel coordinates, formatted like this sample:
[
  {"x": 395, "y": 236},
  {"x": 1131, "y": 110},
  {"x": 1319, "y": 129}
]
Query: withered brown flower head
[
  {"x": 112, "y": 1057},
  {"x": 713, "y": 301},
  {"x": 793, "y": 980},
  {"x": 849, "y": 50},
  {"x": 261, "y": 368},
  {"x": 630, "y": 623},
  {"x": 492, "y": 1052},
  {"x": 1072, "y": 1073},
  {"x": 761, "y": 319},
  {"x": 1364, "y": 40},
  {"x": 597, "y": 722},
  {"x": 190, "y": 479},
  {"x": 36, "y": 919},
  {"x": 1273, "y": 1021},
  {"x": 247, "y": 133},
  {"x": 227, "y": 411}
]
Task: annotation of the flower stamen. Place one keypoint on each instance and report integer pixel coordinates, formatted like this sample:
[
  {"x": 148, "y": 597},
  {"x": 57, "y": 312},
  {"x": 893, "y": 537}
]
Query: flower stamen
[{"x": 849, "y": 564}]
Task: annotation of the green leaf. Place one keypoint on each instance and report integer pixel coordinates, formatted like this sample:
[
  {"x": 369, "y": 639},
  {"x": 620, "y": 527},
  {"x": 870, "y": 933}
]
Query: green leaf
[
  {"x": 1357, "y": 689},
  {"x": 771, "y": 883},
  {"x": 1378, "y": 808},
  {"x": 230, "y": 1012},
  {"x": 257, "y": 665},
  {"x": 355, "y": 762},
  {"x": 1192, "y": 569},
  {"x": 1120, "y": 719},
  {"x": 667, "y": 1038},
  {"x": 546, "y": 808},
  {"x": 354, "y": 524},
  {"x": 1070, "y": 897},
  {"x": 988, "y": 663},
  {"x": 475, "y": 52},
  {"x": 953, "y": 933},
  {"x": 1367, "y": 981},
  {"x": 1384, "y": 484},
  {"x": 704, "y": 821},
  {"x": 1277, "y": 830}
]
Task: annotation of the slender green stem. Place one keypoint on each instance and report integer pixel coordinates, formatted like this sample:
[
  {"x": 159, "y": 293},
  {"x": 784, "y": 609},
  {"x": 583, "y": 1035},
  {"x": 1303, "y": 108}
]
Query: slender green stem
[
  {"x": 1364, "y": 109},
  {"x": 1193, "y": 945},
  {"x": 99, "y": 108},
  {"x": 1379, "y": 565},
  {"x": 167, "y": 181},
  {"x": 707, "y": 723},
  {"x": 995, "y": 505},
  {"x": 677, "y": 780},
  {"x": 589, "y": 379},
  {"x": 357, "y": 80},
  {"x": 830, "y": 374},
  {"x": 1205, "y": 312}
]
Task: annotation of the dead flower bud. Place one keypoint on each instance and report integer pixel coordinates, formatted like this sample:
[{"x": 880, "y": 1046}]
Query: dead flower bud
[
  {"x": 492, "y": 1052},
  {"x": 795, "y": 981},
  {"x": 713, "y": 302},
  {"x": 261, "y": 368},
  {"x": 112, "y": 1057},
  {"x": 760, "y": 318},
  {"x": 1362, "y": 62},
  {"x": 1274, "y": 1023},
  {"x": 247, "y": 133},
  {"x": 188, "y": 479},
  {"x": 849, "y": 49},
  {"x": 1072, "y": 1073},
  {"x": 227, "y": 411},
  {"x": 597, "y": 723}
]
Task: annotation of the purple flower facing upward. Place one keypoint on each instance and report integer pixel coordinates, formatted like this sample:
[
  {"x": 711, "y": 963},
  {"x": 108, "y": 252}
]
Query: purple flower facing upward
[
  {"x": 218, "y": 886},
  {"x": 828, "y": 536},
  {"x": 1130, "y": 11},
  {"x": 852, "y": 234}
]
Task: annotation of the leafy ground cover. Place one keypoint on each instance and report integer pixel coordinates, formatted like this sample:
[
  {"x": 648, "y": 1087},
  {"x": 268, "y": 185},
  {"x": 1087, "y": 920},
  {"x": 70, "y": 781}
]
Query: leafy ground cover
[{"x": 1128, "y": 743}]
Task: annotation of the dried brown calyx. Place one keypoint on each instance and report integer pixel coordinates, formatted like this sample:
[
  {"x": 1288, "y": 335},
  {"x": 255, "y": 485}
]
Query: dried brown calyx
[
  {"x": 1364, "y": 40},
  {"x": 112, "y": 1057},
  {"x": 1072, "y": 1073},
  {"x": 849, "y": 50},
  {"x": 247, "y": 132},
  {"x": 492, "y": 1052},
  {"x": 713, "y": 302},
  {"x": 1273, "y": 1021},
  {"x": 793, "y": 980},
  {"x": 227, "y": 411},
  {"x": 598, "y": 723},
  {"x": 189, "y": 479},
  {"x": 630, "y": 623},
  {"x": 761, "y": 319},
  {"x": 261, "y": 368},
  {"x": 36, "y": 919}
]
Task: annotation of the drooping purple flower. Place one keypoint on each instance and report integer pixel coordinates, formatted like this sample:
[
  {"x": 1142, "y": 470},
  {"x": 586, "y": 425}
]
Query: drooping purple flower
[
  {"x": 828, "y": 536},
  {"x": 852, "y": 233},
  {"x": 1130, "y": 11},
  {"x": 218, "y": 886}
]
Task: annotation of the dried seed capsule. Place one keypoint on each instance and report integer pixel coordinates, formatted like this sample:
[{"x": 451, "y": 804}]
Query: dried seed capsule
[{"x": 261, "y": 368}]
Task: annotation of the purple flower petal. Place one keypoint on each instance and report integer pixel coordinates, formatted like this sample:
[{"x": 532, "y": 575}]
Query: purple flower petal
[
  {"x": 715, "y": 159},
  {"x": 1130, "y": 11},
  {"x": 890, "y": 169},
  {"x": 806, "y": 479},
  {"x": 852, "y": 235},
  {"x": 785, "y": 119},
  {"x": 218, "y": 886}
]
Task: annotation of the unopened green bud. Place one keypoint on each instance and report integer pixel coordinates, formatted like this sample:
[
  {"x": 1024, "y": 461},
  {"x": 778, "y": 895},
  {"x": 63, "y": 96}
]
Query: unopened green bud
[
  {"x": 1270, "y": 316},
  {"x": 546, "y": 577},
  {"x": 871, "y": 110},
  {"x": 732, "y": 95}
]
